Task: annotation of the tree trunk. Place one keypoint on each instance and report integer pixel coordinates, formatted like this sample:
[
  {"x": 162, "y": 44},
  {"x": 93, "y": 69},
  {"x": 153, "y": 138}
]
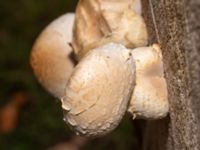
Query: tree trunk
[{"x": 175, "y": 25}]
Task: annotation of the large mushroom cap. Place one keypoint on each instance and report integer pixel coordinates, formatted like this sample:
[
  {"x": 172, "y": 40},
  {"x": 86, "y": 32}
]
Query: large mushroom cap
[
  {"x": 99, "y": 90},
  {"x": 50, "y": 56}
]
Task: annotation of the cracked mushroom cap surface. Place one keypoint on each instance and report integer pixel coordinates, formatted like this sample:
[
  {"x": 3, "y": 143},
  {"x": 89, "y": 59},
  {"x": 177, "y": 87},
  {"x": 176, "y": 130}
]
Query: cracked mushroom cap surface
[
  {"x": 50, "y": 56},
  {"x": 149, "y": 99},
  {"x": 99, "y": 90},
  {"x": 99, "y": 22}
]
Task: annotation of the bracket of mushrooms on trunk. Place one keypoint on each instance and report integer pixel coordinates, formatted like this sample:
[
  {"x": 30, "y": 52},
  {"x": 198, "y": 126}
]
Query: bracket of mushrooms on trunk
[{"x": 113, "y": 72}]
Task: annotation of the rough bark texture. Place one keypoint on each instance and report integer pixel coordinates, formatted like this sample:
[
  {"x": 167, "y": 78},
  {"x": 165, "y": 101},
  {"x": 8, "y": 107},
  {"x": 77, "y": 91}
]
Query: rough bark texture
[{"x": 175, "y": 25}]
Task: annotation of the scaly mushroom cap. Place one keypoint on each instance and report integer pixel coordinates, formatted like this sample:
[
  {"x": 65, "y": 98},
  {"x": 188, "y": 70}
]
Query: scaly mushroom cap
[
  {"x": 99, "y": 90},
  {"x": 149, "y": 99},
  {"x": 99, "y": 22},
  {"x": 50, "y": 57}
]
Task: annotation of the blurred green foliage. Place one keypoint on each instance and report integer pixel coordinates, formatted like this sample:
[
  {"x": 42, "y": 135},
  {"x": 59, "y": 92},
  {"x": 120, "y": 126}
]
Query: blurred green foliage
[{"x": 40, "y": 122}]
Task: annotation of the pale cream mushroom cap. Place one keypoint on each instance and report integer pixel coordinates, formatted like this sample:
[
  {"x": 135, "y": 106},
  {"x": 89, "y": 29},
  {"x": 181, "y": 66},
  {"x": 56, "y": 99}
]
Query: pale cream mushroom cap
[
  {"x": 149, "y": 99},
  {"x": 50, "y": 56},
  {"x": 99, "y": 90},
  {"x": 98, "y": 22},
  {"x": 137, "y": 6}
]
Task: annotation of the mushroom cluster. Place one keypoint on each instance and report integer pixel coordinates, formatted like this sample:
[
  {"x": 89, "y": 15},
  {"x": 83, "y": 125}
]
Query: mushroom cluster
[{"x": 95, "y": 61}]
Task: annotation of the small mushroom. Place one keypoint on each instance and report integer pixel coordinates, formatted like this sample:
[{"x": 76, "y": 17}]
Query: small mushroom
[
  {"x": 99, "y": 90},
  {"x": 50, "y": 56},
  {"x": 98, "y": 22},
  {"x": 149, "y": 99}
]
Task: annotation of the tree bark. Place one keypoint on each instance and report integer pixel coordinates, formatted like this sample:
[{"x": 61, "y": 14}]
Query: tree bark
[{"x": 175, "y": 25}]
